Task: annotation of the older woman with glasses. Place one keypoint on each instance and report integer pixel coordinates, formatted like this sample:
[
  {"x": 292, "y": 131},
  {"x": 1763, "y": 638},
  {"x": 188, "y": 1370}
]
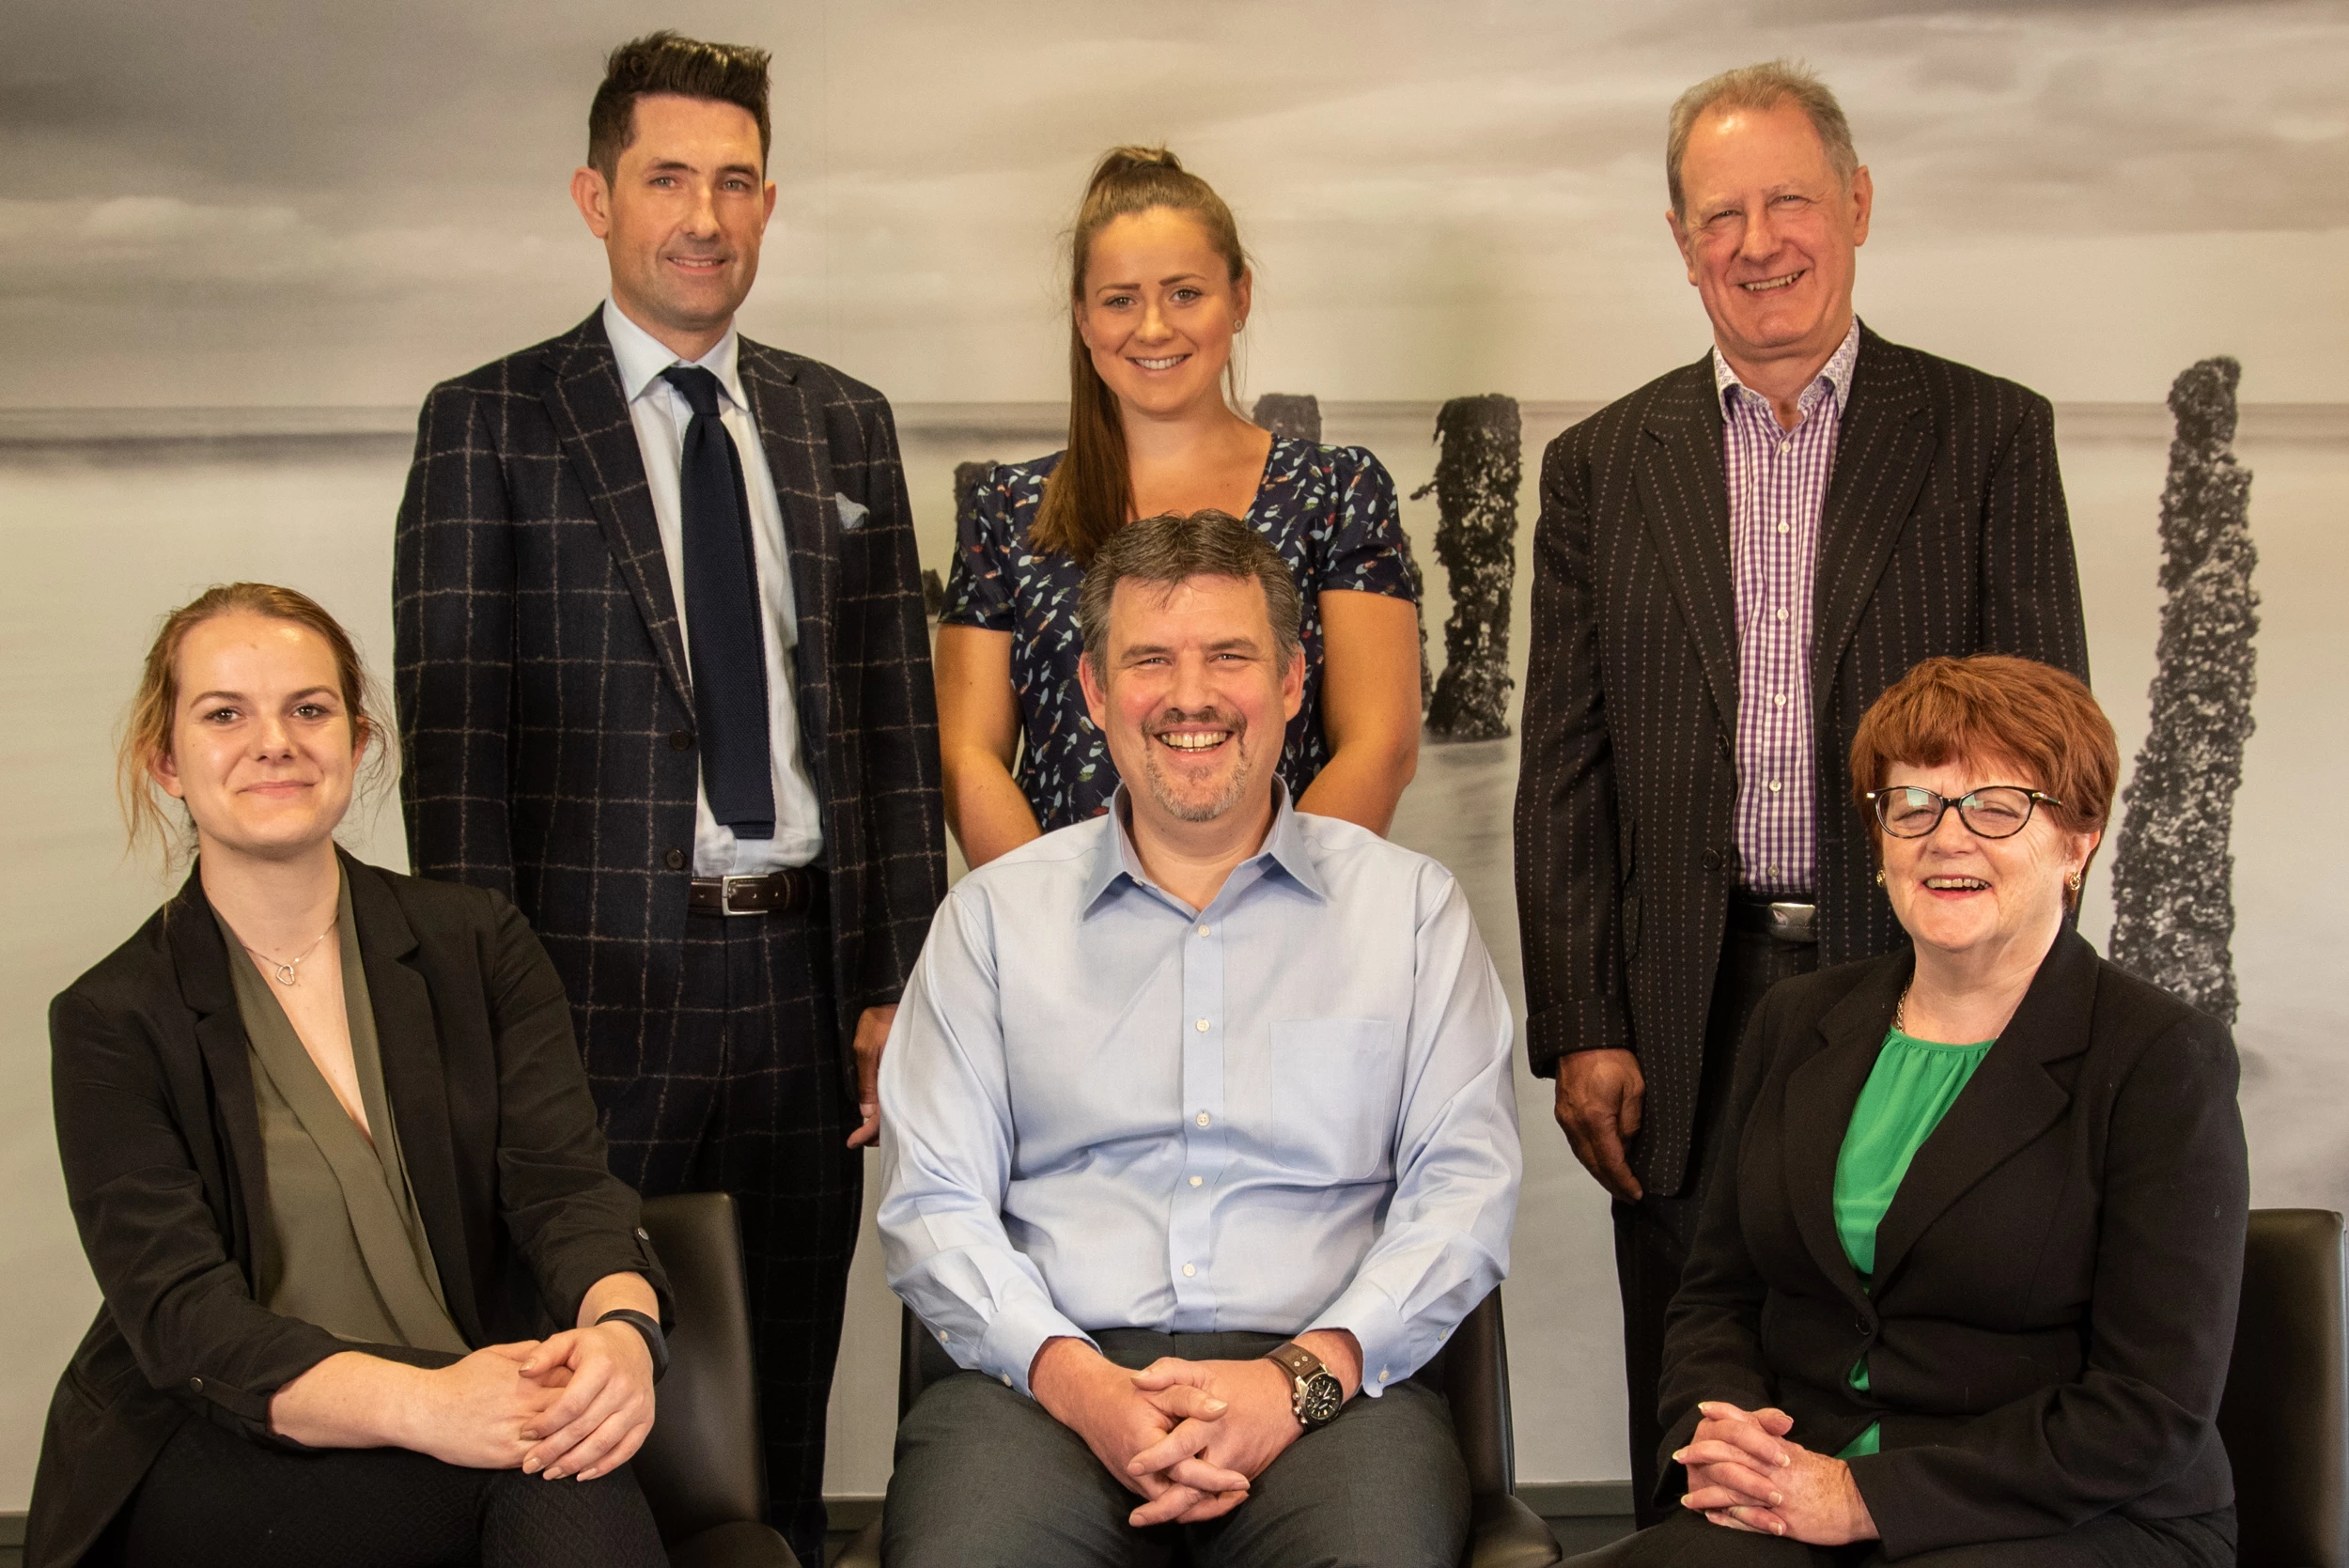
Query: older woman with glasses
[{"x": 1964, "y": 1295}]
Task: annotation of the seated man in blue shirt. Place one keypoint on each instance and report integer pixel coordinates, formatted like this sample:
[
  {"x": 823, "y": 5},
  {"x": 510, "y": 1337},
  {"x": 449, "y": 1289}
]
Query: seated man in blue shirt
[{"x": 1199, "y": 1122}]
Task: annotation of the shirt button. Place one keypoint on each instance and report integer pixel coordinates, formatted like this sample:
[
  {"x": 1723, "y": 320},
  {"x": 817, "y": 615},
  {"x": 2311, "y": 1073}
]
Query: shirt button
[
  {"x": 1206, "y": 930},
  {"x": 1203, "y": 1118},
  {"x": 1382, "y": 1375},
  {"x": 1773, "y": 786},
  {"x": 942, "y": 1336},
  {"x": 1781, "y": 615},
  {"x": 1777, "y": 701},
  {"x": 1784, "y": 528},
  {"x": 1006, "y": 1380},
  {"x": 1189, "y": 1269},
  {"x": 1196, "y": 1180},
  {"x": 1202, "y": 1026}
]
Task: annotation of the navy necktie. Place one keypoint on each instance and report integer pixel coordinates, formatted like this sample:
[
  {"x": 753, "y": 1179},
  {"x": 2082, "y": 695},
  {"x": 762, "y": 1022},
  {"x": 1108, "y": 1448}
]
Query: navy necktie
[{"x": 724, "y": 642}]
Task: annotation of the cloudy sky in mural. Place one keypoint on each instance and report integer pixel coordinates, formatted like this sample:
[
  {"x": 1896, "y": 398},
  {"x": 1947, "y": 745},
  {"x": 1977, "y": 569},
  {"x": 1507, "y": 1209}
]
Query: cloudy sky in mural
[{"x": 266, "y": 201}]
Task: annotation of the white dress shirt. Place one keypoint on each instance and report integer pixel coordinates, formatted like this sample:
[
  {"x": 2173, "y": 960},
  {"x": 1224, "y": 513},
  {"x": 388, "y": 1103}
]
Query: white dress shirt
[
  {"x": 1291, "y": 1110},
  {"x": 661, "y": 414}
]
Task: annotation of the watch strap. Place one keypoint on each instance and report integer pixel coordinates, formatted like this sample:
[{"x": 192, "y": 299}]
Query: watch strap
[
  {"x": 655, "y": 1341},
  {"x": 1294, "y": 1359}
]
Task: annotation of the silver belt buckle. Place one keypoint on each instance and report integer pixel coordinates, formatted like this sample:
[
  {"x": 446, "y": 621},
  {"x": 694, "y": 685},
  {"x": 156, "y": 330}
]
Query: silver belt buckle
[
  {"x": 1795, "y": 923},
  {"x": 725, "y": 893}
]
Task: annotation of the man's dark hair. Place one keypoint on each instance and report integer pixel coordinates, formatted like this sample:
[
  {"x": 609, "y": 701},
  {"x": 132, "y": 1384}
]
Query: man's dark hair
[
  {"x": 1170, "y": 549},
  {"x": 665, "y": 62}
]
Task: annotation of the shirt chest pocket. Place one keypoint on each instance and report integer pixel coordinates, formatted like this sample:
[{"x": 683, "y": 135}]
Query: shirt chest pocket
[{"x": 1335, "y": 1085}]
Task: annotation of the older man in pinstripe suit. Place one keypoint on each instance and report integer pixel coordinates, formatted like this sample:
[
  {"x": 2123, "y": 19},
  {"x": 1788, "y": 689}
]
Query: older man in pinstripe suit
[
  {"x": 664, "y": 680},
  {"x": 1731, "y": 562}
]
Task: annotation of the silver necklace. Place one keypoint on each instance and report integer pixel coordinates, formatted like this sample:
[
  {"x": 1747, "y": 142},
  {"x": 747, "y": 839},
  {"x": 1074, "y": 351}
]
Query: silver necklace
[{"x": 284, "y": 973}]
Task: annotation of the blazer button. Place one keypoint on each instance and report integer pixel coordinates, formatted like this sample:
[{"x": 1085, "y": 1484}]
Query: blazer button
[
  {"x": 1712, "y": 860},
  {"x": 673, "y": 860},
  {"x": 196, "y": 1384},
  {"x": 1860, "y": 1324},
  {"x": 680, "y": 740}
]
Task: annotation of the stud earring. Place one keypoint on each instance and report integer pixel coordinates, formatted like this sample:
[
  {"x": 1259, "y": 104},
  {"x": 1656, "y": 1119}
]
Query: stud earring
[
  {"x": 2075, "y": 880},
  {"x": 1879, "y": 878}
]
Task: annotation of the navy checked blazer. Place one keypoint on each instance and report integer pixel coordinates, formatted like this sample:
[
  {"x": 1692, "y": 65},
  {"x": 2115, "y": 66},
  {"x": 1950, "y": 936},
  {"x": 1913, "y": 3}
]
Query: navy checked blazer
[
  {"x": 545, "y": 702},
  {"x": 1943, "y": 531}
]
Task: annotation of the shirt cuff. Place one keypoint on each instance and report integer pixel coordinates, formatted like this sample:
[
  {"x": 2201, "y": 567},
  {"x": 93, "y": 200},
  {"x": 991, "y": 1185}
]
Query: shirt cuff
[
  {"x": 1365, "y": 1312},
  {"x": 1014, "y": 1336}
]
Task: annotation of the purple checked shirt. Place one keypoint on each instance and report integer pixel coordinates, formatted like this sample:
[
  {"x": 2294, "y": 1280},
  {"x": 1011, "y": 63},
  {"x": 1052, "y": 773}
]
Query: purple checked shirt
[{"x": 1777, "y": 486}]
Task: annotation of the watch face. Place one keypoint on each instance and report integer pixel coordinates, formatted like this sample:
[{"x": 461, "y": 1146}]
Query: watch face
[{"x": 1318, "y": 1398}]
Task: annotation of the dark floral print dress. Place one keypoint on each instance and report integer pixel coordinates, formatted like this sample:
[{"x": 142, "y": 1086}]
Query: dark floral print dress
[{"x": 1330, "y": 511}]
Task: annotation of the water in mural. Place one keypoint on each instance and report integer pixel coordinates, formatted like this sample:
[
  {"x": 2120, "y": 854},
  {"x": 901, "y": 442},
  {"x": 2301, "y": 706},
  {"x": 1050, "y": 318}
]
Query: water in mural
[{"x": 2173, "y": 879}]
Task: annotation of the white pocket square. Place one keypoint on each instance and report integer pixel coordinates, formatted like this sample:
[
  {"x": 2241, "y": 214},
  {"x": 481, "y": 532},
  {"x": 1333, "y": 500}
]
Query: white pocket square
[{"x": 852, "y": 513}]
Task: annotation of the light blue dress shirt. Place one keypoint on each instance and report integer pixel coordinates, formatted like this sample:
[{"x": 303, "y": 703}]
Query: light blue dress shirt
[{"x": 1289, "y": 1110}]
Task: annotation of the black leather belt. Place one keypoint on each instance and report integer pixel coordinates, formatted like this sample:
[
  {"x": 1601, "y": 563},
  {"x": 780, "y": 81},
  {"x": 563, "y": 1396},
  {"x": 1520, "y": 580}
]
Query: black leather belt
[
  {"x": 769, "y": 894},
  {"x": 1788, "y": 920}
]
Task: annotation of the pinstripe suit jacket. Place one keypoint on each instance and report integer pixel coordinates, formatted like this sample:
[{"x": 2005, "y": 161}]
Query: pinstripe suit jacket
[
  {"x": 545, "y": 699},
  {"x": 1943, "y": 531}
]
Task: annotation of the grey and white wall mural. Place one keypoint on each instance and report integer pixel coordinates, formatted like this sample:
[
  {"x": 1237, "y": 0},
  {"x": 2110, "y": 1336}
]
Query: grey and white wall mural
[{"x": 239, "y": 240}]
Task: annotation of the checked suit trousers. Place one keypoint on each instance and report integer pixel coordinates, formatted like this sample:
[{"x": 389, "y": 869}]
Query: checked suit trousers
[{"x": 739, "y": 1088}]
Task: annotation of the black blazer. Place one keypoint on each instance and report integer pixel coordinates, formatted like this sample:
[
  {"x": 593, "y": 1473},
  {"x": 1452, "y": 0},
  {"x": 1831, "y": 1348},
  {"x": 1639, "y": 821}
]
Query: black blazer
[
  {"x": 2054, "y": 1302},
  {"x": 1943, "y": 531},
  {"x": 545, "y": 700},
  {"x": 164, "y": 1164}
]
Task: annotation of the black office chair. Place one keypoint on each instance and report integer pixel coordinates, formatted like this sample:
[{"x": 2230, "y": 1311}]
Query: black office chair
[
  {"x": 2288, "y": 1394},
  {"x": 1502, "y": 1532},
  {"x": 702, "y": 1469}
]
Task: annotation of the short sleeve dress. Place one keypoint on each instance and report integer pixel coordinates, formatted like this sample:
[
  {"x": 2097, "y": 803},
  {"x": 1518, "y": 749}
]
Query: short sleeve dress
[{"x": 1330, "y": 513}]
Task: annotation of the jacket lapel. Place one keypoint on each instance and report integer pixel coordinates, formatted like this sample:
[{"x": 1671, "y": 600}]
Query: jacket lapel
[
  {"x": 1820, "y": 1096},
  {"x": 2010, "y": 1101},
  {"x": 200, "y": 958},
  {"x": 1884, "y": 447},
  {"x": 591, "y": 420},
  {"x": 415, "y": 1085},
  {"x": 792, "y": 438},
  {"x": 1684, "y": 495}
]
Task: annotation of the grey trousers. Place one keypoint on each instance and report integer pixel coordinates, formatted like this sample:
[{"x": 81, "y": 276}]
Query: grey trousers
[{"x": 986, "y": 1479}]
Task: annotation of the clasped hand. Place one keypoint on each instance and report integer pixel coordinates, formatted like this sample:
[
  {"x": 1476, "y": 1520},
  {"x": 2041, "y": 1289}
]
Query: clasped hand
[
  {"x": 1187, "y": 1436},
  {"x": 578, "y": 1404},
  {"x": 1745, "y": 1474}
]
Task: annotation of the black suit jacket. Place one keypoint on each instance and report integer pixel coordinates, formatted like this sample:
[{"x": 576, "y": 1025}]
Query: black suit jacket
[
  {"x": 545, "y": 699},
  {"x": 2053, "y": 1308},
  {"x": 1943, "y": 531},
  {"x": 165, "y": 1166}
]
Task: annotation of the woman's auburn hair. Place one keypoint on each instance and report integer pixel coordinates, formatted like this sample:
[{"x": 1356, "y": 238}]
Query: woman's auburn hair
[
  {"x": 1993, "y": 706},
  {"x": 154, "y": 708},
  {"x": 1090, "y": 493}
]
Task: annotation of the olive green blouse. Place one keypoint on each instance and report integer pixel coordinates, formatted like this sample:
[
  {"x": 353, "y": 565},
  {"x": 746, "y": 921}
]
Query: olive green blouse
[
  {"x": 345, "y": 1246},
  {"x": 1910, "y": 1089}
]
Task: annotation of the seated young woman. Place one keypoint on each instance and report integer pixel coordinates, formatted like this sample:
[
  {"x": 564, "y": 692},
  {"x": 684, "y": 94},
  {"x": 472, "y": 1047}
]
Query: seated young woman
[
  {"x": 1158, "y": 286},
  {"x": 368, "y": 1285},
  {"x": 1965, "y": 1292}
]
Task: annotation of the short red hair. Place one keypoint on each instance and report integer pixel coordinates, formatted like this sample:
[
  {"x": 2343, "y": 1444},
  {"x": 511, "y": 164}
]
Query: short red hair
[{"x": 1994, "y": 707}]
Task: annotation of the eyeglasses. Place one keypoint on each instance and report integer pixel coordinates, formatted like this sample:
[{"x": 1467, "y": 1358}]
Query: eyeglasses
[{"x": 1995, "y": 811}]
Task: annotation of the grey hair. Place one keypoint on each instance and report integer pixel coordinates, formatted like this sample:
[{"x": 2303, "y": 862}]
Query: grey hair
[
  {"x": 1170, "y": 550},
  {"x": 1760, "y": 87}
]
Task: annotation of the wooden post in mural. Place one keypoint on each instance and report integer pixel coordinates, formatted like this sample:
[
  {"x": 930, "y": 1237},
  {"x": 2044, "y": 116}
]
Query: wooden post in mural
[
  {"x": 1476, "y": 487},
  {"x": 2173, "y": 876}
]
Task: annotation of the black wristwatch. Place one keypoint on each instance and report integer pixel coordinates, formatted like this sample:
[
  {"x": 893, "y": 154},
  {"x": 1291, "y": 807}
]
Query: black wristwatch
[
  {"x": 1315, "y": 1394},
  {"x": 655, "y": 1341}
]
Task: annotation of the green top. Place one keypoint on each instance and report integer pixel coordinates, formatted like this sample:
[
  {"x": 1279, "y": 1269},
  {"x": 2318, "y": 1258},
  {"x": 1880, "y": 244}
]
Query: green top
[
  {"x": 1911, "y": 1088},
  {"x": 345, "y": 1246}
]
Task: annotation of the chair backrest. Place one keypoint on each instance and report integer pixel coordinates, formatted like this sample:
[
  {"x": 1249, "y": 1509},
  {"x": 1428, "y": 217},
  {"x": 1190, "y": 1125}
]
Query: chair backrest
[
  {"x": 703, "y": 1466},
  {"x": 1475, "y": 1385},
  {"x": 2288, "y": 1394}
]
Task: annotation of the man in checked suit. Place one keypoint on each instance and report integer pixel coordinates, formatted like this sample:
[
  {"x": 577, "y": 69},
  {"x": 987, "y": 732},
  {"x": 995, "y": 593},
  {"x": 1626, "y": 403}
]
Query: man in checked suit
[
  {"x": 1731, "y": 562},
  {"x": 664, "y": 679}
]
